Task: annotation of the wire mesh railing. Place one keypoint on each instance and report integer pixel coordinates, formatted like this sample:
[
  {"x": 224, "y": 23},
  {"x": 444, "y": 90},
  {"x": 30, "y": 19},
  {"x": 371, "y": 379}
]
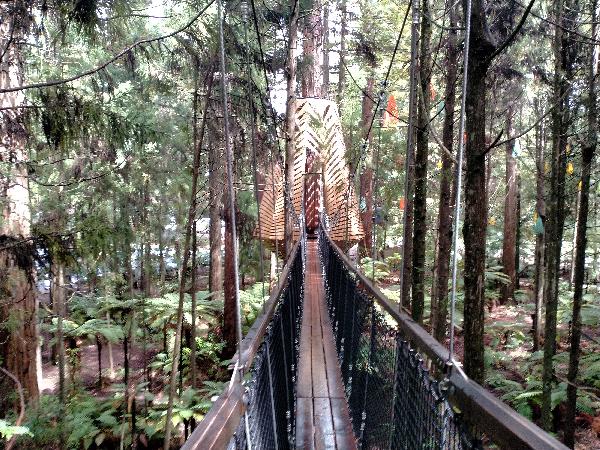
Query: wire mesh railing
[
  {"x": 401, "y": 392},
  {"x": 262, "y": 414}
]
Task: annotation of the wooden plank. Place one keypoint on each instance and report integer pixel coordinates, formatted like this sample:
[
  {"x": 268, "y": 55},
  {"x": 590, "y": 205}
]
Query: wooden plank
[
  {"x": 334, "y": 376},
  {"x": 305, "y": 429},
  {"x": 324, "y": 431},
  {"x": 344, "y": 436}
]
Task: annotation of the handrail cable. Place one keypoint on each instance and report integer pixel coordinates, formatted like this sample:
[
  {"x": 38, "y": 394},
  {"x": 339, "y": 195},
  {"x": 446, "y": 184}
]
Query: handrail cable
[
  {"x": 231, "y": 192},
  {"x": 461, "y": 147}
]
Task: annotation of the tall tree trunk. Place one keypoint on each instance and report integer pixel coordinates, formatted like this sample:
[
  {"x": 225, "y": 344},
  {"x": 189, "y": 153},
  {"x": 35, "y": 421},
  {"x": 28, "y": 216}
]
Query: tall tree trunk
[
  {"x": 518, "y": 233},
  {"x": 538, "y": 283},
  {"x": 229, "y": 309},
  {"x": 366, "y": 177},
  {"x": 342, "y": 66},
  {"x": 58, "y": 299},
  {"x": 587, "y": 157},
  {"x": 574, "y": 242},
  {"x": 509, "y": 243},
  {"x": 325, "y": 86},
  {"x": 215, "y": 194},
  {"x": 556, "y": 195},
  {"x": 19, "y": 344},
  {"x": 290, "y": 125},
  {"x": 420, "y": 200},
  {"x": 444, "y": 244},
  {"x": 409, "y": 168},
  {"x": 191, "y": 213},
  {"x": 147, "y": 286},
  {"x": 312, "y": 49},
  {"x": 475, "y": 222}
]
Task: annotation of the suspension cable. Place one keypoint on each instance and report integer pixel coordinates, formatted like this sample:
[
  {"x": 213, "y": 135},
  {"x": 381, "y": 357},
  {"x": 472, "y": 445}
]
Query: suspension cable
[
  {"x": 365, "y": 144},
  {"x": 412, "y": 100},
  {"x": 244, "y": 7},
  {"x": 286, "y": 189},
  {"x": 230, "y": 188},
  {"x": 461, "y": 147}
]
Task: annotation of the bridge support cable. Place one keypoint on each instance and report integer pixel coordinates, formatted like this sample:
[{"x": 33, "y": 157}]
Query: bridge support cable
[
  {"x": 461, "y": 149},
  {"x": 231, "y": 192},
  {"x": 399, "y": 393},
  {"x": 251, "y": 111},
  {"x": 410, "y": 143}
]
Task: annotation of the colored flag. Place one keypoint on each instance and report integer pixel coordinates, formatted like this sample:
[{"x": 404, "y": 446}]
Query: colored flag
[{"x": 390, "y": 116}]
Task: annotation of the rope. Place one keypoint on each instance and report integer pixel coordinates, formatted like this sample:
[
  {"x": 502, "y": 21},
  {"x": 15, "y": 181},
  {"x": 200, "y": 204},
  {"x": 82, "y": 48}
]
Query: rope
[{"x": 461, "y": 147}]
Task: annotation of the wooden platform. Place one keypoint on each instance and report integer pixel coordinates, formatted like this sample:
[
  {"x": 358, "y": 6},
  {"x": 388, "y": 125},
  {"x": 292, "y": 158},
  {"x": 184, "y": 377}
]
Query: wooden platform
[{"x": 322, "y": 417}]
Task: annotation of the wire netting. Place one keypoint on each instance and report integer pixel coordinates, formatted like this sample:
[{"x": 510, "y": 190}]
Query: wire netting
[
  {"x": 394, "y": 401},
  {"x": 270, "y": 385}
]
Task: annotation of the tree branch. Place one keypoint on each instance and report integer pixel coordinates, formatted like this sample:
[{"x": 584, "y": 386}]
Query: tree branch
[
  {"x": 514, "y": 33},
  {"x": 111, "y": 60}
]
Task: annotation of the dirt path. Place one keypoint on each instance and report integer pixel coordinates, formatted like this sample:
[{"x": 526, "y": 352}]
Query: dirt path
[{"x": 88, "y": 373}]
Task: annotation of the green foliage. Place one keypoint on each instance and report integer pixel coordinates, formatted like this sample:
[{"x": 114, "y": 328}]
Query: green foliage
[
  {"x": 7, "y": 430},
  {"x": 252, "y": 301},
  {"x": 379, "y": 272},
  {"x": 394, "y": 261}
]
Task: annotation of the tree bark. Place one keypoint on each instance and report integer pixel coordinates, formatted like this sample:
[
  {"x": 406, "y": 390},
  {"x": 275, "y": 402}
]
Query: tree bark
[
  {"x": 229, "y": 309},
  {"x": 475, "y": 222},
  {"x": 19, "y": 344},
  {"x": 290, "y": 127},
  {"x": 366, "y": 177},
  {"x": 325, "y": 86},
  {"x": 421, "y": 156},
  {"x": 446, "y": 204},
  {"x": 509, "y": 243},
  {"x": 312, "y": 49},
  {"x": 587, "y": 157},
  {"x": 538, "y": 283},
  {"x": 215, "y": 193},
  {"x": 342, "y": 66},
  {"x": 191, "y": 213},
  {"x": 556, "y": 199}
]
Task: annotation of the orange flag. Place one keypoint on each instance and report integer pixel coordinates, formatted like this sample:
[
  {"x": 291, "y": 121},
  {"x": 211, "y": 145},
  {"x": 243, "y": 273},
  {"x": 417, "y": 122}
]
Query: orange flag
[{"x": 390, "y": 116}]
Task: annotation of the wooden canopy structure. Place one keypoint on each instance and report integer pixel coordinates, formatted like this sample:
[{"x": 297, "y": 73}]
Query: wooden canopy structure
[{"x": 321, "y": 178}]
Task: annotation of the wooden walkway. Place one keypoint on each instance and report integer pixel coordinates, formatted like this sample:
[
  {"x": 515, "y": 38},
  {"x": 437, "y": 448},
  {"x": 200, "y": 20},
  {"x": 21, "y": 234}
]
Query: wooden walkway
[{"x": 322, "y": 417}]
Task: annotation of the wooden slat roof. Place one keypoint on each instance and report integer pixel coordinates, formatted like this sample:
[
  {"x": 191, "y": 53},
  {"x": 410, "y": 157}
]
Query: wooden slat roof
[{"x": 318, "y": 130}]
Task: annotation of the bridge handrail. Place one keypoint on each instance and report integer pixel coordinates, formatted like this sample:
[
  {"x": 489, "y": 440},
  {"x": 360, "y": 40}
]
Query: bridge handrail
[
  {"x": 221, "y": 421},
  {"x": 501, "y": 423}
]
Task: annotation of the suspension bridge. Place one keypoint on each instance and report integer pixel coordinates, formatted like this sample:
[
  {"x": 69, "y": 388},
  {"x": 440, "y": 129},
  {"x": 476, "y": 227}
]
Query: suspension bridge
[{"x": 332, "y": 363}]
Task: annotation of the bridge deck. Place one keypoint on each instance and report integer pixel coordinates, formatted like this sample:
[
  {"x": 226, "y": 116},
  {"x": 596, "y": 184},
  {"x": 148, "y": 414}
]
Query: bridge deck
[{"x": 322, "y": 417}]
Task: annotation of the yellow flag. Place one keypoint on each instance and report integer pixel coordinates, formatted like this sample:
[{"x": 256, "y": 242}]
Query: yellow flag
[
  {"x": 579, "y": 185},
  {"x": 439, "y": 165},
  {"x": 570, "y": 168},
  {"x": 492, "y": 221}
]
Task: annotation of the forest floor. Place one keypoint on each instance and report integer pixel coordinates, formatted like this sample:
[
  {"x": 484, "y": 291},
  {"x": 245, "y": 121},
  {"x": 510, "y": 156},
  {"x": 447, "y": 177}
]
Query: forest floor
[
  {"x": 502, "y": 323},
  {"x": 87, "y": 375},
  {"x": 509, "y": 356}
]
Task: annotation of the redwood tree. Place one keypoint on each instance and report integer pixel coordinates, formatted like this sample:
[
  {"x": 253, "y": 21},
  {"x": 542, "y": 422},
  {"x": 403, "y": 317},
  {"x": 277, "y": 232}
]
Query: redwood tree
[{"x": 19, "y": 307}]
